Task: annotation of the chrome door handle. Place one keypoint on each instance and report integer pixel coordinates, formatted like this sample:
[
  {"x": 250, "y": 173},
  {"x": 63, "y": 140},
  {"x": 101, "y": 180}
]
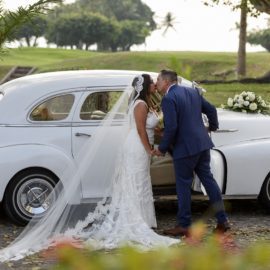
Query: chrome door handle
[
  {"x": 226, "y": 130},
  {"x": 78, "y": 134}
]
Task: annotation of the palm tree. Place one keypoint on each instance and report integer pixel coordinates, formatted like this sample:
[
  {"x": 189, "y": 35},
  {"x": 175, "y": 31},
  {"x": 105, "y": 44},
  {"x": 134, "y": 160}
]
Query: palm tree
[
  {"x": 168, "y": 22},
  {"x": 11, "y": 20}
]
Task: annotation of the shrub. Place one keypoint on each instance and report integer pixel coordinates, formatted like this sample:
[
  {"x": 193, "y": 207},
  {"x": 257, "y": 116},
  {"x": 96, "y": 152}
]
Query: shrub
[{"x": 196, "y": 252}]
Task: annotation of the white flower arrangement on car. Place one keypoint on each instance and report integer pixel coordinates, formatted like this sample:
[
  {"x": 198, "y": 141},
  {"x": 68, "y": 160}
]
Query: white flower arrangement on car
[{"x": 247, "y": 102}]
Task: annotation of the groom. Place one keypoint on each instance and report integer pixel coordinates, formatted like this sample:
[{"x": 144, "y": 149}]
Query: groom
[{"x": 186, "y": 134}]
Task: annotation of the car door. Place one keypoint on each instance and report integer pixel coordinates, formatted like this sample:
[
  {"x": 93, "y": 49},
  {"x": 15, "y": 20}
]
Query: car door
[{"x": 90, "y": 148}]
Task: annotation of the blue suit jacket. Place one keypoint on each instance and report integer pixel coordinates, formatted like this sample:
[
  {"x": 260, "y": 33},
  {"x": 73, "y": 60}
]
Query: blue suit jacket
[{"x": 184, "y": 130}]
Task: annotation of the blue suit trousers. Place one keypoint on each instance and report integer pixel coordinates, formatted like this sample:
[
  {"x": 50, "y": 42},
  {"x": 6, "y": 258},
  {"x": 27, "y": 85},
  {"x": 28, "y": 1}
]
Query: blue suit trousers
[{"x": 184, "y": 169}]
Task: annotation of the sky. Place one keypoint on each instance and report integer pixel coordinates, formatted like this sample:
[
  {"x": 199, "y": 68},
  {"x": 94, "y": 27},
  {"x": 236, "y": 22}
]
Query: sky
[{"x": 197, "y": 27}]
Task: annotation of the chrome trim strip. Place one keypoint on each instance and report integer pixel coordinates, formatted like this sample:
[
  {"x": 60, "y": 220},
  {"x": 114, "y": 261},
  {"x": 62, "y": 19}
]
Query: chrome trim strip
[
  {"x": 244, "y": 141},
  {"x": 22, "y": 144},
  {"x": 256, "y": 139},
  {"x": 37, "y": 125},
  {"x": 96, "y": 124},
  {"x": 90, "y": 123},
  {"x": 226, "y": 130}
]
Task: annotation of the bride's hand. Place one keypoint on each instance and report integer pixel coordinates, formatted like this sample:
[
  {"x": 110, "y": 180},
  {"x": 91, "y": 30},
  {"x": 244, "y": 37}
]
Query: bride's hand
[
  {"x": 151, "y": 152},
  {"x": 158, "y": 153}
]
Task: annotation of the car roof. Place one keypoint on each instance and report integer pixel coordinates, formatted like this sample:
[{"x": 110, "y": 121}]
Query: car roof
[
  {"x": 72, "y": 79},
  {"x": 22, "y": 93}
]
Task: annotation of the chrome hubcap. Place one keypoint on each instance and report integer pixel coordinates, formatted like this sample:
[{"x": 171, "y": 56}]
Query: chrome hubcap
[{"x": 35, "y": 196}]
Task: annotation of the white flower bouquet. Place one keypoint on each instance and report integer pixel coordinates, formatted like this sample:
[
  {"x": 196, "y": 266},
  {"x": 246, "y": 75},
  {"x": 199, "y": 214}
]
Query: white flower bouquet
[{"x": 247, "y": 102}]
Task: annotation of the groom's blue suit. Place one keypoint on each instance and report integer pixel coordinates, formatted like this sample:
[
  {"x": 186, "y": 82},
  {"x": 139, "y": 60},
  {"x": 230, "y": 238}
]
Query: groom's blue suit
[{"x": 186, "y": 136}]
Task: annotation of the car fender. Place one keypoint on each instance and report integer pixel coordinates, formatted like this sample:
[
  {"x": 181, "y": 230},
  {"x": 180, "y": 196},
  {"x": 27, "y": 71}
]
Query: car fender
[
  {"x": 218, "y": 169},
  {"x": 248, "y": 164},
  {"x": 15, "y": 158}
]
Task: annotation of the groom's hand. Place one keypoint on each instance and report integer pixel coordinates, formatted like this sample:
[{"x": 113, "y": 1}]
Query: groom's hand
[{"x": 158, "y": 153}]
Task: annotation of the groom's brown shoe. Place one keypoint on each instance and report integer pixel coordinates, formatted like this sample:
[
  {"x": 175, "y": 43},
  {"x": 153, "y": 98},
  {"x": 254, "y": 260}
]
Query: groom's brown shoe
[
  {"x": 177, "y": 231},
  {"x": 222, "y": 227}
]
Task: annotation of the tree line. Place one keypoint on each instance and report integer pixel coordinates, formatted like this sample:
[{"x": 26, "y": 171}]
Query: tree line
[{"x": 111, "y": 25}]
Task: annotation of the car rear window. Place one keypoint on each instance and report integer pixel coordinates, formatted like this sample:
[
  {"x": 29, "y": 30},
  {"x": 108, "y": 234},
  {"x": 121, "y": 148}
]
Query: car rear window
[{"x": 54, "y": 109}]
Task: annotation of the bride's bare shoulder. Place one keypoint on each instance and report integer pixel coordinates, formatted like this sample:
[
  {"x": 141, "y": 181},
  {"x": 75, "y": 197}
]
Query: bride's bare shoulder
[{"x": 140, "y": 105}]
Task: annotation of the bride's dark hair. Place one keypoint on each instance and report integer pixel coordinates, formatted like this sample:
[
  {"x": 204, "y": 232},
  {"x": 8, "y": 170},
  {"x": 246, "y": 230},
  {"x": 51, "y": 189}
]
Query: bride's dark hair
[{"x": 144, "y": 93}]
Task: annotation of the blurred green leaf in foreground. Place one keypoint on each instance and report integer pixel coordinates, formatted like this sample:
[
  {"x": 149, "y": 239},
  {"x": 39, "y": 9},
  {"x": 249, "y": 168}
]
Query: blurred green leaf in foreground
[{"x": 199, "y": 251}]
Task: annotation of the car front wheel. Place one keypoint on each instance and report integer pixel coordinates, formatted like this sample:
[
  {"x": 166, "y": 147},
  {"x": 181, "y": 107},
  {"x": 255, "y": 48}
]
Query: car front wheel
[
  {"x": 27, "y": 195},
  {"x": 264, "y": 196}
]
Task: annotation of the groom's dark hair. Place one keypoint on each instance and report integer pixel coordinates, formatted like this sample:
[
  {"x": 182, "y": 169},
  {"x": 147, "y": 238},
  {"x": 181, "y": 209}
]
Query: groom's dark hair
[{"x": 169, "y": 75}]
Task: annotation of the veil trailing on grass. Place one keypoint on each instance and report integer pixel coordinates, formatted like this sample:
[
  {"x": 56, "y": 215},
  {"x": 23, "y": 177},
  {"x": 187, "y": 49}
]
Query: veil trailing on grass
[{"x": 113, "y": 219}]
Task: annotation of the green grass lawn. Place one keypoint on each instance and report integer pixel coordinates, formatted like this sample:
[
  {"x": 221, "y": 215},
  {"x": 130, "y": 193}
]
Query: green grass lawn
[
  {"x": 219, "y": 93},
  {"x": 202, "y": 65}
]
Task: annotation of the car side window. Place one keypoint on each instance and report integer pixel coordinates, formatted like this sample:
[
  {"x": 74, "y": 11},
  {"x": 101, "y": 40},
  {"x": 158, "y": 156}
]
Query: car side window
[
  {"x": 54, "y": 109},
  {"x": 98, "y": 104}
]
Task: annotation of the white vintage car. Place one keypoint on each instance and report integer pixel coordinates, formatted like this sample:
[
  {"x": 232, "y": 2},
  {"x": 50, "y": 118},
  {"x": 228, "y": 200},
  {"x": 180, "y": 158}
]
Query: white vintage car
[{"x": 45, "y": 118}]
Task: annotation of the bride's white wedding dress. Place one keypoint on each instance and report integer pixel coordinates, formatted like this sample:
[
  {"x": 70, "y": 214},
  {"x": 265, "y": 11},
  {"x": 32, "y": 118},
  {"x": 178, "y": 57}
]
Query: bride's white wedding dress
[{"x": 127, "y": 218}]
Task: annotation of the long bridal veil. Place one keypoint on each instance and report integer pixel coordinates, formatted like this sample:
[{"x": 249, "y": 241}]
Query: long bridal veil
[
  {"x": 108, "y": 222},
  {"x": 101, "y": 153}
]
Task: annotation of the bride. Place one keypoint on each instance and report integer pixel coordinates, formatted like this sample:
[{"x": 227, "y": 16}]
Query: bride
[{"x": 125, "y": 215}]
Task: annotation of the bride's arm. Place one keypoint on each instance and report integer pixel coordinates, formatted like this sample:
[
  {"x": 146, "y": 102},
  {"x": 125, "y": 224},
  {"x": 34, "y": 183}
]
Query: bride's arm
[{"x": 140, "y": 114}]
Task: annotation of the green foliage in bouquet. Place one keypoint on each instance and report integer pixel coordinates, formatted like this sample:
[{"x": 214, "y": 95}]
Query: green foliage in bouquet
[
  {"x": 247, "y": 102},
  {"x": 199, "y": 251}
]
